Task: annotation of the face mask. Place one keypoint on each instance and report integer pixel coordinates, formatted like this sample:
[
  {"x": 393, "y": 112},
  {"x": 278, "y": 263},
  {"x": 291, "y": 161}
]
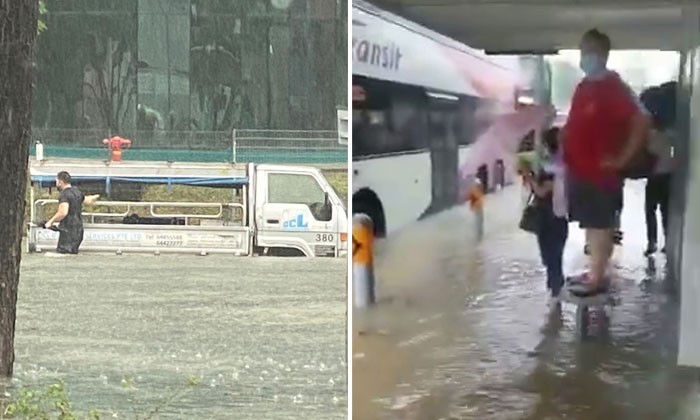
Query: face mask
[{"x": 591, "y": 64}]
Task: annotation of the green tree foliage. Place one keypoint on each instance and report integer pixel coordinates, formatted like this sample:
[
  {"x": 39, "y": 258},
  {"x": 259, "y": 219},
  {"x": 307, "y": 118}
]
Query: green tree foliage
[{"x": 41, "y": 25}]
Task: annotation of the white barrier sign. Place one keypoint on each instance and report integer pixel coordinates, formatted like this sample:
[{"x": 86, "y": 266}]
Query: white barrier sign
[
  {"x": 151, "y": 238},
  {"x": 343, "y": 127}
]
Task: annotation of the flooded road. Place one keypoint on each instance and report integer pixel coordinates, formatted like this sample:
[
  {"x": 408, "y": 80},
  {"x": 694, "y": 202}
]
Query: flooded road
[
  {"x": 266, "y": 336},
  {"x": 464, "y": 331}
]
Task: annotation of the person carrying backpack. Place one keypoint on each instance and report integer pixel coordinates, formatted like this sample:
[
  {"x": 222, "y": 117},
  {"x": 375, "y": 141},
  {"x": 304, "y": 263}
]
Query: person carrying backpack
[{"x": 661, "y": 103}]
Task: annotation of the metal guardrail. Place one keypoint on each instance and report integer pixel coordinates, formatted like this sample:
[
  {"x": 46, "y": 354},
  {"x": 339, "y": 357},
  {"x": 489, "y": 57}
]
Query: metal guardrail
[
  {"x": 289, "y": 142},
  {"x": 152, "y": 206},
  {"x": 142, "y": 139},
  {"x": 239, "y": 145}
]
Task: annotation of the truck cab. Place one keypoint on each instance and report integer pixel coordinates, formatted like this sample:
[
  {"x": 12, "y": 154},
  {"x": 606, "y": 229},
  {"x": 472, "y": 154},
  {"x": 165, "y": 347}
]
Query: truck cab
[{"x": 297, "y": 209}]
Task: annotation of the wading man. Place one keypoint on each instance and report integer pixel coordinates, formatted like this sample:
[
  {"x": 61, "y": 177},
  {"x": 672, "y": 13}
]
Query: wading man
[{"x": 69, "y": 214}]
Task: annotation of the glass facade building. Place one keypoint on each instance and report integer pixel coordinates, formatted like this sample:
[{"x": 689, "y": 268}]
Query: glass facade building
[{"x": 191, "y": 65}]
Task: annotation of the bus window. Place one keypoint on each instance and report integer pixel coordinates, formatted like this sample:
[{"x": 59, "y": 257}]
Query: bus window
[
  {"x": 388, "y": 118},
  {"x": 445, "y": 123},
  {"x": 528, "y": 142},
  {"x": 370, "y": 133},
  {"x": 466, "y": 129},
  {"x": 409, "y": 120}
]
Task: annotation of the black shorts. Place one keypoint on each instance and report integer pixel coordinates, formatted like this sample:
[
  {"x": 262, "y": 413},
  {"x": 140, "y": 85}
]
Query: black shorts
[{"x": 591, "y": 206}]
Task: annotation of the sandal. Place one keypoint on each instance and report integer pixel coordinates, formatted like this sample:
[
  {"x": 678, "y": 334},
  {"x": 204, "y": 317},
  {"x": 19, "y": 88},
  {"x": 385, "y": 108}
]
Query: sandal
[
  {"x": 585, "y": 289},
  {"x": 578, "y": 279}
]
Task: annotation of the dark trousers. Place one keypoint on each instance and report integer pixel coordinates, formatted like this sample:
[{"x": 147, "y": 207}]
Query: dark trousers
[
  {"x": 657, "y": 196},
  {"x": 620, "y": 204},
  {"x": 552, "y": 239},
  {"x": 69, "y": 240}
]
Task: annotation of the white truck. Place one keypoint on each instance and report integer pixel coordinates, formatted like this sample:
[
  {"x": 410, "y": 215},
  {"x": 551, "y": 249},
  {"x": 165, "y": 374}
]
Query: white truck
[{"x": 274, "y": 209}]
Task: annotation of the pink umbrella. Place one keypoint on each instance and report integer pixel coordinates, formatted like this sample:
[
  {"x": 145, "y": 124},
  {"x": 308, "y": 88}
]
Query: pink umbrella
[{"x": 502, "y": 139}]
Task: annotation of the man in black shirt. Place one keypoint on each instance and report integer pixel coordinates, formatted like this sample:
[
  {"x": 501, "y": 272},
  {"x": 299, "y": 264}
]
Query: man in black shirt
[{"x": 69, "y": 214}]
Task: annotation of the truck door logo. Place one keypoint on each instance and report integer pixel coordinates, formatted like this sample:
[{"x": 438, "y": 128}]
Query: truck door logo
[{"x": 296, "y": 223}]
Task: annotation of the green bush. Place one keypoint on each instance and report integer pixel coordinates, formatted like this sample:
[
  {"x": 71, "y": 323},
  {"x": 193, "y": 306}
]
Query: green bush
[
  {"x": 339, "y": 181},
  {"x": 53, "y": 404}
]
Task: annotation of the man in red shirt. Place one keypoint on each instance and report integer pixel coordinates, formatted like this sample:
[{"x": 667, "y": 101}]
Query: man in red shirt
[{"x": 606, "y": 128}]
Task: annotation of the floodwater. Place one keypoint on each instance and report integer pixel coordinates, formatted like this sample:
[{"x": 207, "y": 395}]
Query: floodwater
[
  {"x": 464, "y": 332},
  {"x": 266, "y": 336}
]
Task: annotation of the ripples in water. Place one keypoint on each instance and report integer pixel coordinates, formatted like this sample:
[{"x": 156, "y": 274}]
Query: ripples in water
[
  {"x": 496, "y": 351},
  {"x": 266, "y": 336}
]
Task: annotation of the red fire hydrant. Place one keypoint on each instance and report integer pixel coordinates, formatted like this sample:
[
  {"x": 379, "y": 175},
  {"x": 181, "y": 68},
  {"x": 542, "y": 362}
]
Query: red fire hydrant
[{"x": 116, "y": 144}]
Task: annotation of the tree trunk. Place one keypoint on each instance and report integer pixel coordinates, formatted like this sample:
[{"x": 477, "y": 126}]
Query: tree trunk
[{"x": 18, "y": 21}]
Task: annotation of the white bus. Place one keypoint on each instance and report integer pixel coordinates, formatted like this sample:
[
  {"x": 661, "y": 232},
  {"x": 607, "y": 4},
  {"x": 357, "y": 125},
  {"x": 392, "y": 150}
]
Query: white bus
[{"x": 400, "y": 72}]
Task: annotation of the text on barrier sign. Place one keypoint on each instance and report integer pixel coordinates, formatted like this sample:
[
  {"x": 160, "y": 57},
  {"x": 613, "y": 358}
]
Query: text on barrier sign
[{"x": 362, "y": 237}]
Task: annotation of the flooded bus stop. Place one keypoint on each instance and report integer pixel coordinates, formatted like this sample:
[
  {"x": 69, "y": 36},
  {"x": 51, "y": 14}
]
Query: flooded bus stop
[{"x": 462, "y": 330}]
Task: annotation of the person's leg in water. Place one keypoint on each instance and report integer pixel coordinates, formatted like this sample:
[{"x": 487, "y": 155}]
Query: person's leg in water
[
  {"x": 617, "y": 231},
  {"x": 651, "y": 201},
  {"x": 555, "y": 271},
  {"x": 78, "y": 240},
  {"x": 664, "y": 202},
  {"x": 601, "y": 250},
  {"x": 588, "y": 234},
  {"x": 551, "y": 240},
  {"x": 618, "y": 217},
  {"x": 543, "y": 243},
  {"x": 64, "y": 243},
  {"x": 69, "y": 240}
]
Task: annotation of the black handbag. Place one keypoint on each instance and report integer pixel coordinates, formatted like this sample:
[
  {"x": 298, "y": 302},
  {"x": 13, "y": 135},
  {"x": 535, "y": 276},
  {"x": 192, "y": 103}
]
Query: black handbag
[{"x": 530, "y": 220}]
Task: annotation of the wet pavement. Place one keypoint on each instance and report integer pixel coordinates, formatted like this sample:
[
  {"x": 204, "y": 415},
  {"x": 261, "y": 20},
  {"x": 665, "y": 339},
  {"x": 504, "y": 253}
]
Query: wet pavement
[
  {"x": 265, "y": 336},
  {"x": 464, "y": 331}
]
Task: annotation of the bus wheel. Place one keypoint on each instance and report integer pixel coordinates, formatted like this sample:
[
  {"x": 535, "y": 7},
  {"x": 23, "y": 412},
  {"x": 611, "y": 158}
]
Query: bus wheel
[{"x": 366, "y": 201}]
